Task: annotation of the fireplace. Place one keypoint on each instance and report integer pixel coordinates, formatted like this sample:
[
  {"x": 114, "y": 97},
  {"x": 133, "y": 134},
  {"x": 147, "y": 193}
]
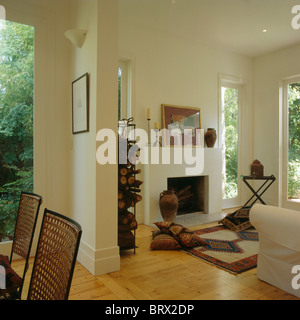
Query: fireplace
[
  {"x": 192, "y": 193},
  {"x": 156, "y": 178}
]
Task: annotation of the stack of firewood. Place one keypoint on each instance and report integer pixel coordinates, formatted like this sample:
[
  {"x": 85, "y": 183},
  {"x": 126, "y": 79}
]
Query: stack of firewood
[
  {"x": 185, "y": 197},
  {"x": 128, "y": 197}
]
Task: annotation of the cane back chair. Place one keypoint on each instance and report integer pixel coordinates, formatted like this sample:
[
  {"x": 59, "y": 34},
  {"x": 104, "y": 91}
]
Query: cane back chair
[
  {"x": 27, "y": 215},
  {"x": 55, "y": 258}
]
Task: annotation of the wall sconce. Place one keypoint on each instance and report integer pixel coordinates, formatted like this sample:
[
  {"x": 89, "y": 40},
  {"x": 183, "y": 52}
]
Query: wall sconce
[{"x": 77, "y": 37}]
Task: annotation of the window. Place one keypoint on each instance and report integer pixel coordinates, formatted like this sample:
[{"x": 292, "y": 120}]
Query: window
[
  {"x": 291, "y": 142},
  {"x": 16, "y": 119},
  {"x": 294, "y": 141},
  {"x": 124, "y": 90},
  {"x": 230, "y": 97},
  {"x": 229, "y": 128}
]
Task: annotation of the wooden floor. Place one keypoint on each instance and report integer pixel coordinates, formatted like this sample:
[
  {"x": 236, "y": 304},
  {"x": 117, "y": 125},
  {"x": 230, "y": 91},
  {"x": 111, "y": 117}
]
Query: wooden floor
[{"x": 167, "y": 275}]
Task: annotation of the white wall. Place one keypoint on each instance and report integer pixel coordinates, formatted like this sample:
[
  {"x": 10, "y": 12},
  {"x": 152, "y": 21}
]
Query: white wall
[
  {"x": 94, "y": 187},
  {"x": 82, "y": 166},
  {"x": 178, "y": 71},
  {"x": 269, "y": 71},
  {"x": 107, "y": 254}
]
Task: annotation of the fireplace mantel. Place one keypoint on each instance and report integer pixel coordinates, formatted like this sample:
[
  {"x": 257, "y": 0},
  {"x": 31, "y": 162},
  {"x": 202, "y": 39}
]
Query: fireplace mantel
[{"x": 156, "y": 176}]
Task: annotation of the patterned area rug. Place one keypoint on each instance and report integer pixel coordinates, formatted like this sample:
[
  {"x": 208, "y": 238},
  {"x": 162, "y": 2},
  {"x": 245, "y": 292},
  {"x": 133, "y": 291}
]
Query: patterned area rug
[{"x": 232, "y": 251}]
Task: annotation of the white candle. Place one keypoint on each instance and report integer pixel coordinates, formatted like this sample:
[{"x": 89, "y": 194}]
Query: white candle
[
  {"x": 148, "y": 113},
  {"x": 156, "y": 125}
]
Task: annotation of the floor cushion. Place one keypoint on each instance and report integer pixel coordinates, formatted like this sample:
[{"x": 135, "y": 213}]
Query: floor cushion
[
  {"x": 185, "y": 237},
  {"x": 238, "y": 220},
  {"x": 163, "y": 241}
]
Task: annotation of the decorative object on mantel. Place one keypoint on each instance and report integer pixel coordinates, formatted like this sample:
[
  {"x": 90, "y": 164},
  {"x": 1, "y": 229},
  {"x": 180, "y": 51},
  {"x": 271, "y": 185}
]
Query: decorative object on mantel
[
  {"x": 257, "y": 169},
  {"x": 168, "y": 204},
  {"x": 128, "y": 196},
  {"x": 210, "y": 137},
  {"x": 157, "y": 143}
]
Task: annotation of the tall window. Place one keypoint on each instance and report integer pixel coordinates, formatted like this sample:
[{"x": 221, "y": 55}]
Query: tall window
[
  {"x": 229, "y": 131},
  {"x": 124, "y": 82},
  {"x": 231, "y": 117},
  {"x": 16, "y": 119},
  {"x": 293, "y": 141}
]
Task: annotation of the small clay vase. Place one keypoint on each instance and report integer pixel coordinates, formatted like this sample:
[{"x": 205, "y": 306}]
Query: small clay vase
[
  {"x": 210, "y": 137},
  {"x": 257, "y": 169},
  {"x": 168, "y": 204}
]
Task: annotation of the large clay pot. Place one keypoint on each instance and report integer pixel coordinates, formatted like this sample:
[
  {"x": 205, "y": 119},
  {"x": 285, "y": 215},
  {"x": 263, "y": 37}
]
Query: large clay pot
[
  {"x": 210, "y": 137},
  {"x": 168, "y": 204}
]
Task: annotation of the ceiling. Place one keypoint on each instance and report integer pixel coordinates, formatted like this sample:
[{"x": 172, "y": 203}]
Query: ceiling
[{"x": 232, "y": 25}]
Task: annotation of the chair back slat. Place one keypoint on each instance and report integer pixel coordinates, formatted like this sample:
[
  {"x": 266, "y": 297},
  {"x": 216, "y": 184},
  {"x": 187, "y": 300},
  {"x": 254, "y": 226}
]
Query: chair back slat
[
  {"x": 55, "y": 258},
  {"x": 29, "y": 206},
  {"x": 26, "y": 221}
]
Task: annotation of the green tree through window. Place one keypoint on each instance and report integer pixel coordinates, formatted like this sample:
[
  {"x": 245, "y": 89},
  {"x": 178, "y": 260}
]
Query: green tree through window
[
  {"x": 294, "y": 141},
  {"x": 16, "y": 118},
  {"x": 231, "y": 118}
]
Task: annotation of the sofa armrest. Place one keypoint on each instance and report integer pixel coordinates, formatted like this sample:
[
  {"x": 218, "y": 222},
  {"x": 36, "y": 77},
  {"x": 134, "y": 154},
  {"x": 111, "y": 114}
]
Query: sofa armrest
[{"x": 278, "y": 224}]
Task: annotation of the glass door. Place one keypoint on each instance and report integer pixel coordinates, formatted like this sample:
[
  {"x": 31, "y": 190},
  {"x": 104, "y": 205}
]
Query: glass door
[{"x": 230, "y": 139}]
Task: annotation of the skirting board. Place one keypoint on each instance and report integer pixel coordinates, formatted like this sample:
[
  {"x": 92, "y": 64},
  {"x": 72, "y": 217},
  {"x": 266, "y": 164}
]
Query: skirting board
[{"x": 101, "y": 261}]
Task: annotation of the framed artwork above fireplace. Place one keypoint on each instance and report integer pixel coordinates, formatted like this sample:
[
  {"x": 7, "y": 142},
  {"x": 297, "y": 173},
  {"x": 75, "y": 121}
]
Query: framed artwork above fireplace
[{"x": 176, "y": 119}]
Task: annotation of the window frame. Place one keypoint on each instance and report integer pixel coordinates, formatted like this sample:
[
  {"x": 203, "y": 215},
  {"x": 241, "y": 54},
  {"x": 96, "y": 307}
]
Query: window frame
[
  {"x": 126, "y": 88},
  {"x": 234, "y": 83},
  {"x": 284, "y": 143}
]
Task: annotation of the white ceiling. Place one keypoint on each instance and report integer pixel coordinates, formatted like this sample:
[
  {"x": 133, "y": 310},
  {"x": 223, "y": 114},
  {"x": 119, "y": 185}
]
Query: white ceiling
[{"x": 233, "y": 25}]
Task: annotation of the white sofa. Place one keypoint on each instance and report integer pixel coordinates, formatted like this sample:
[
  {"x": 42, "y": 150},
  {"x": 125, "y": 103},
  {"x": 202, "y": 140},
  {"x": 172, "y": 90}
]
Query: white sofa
[{"x": 279, "y": 246}]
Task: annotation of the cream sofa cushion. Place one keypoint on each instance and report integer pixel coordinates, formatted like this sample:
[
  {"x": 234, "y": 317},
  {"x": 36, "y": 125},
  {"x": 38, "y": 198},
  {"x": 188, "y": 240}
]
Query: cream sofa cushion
[{"x": 279, "y": 245}]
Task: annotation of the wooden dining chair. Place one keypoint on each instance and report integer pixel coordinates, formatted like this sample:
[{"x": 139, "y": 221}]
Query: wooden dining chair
[
  {"x": 27, "y": 215},
  {"x": 55, "y": 258}
]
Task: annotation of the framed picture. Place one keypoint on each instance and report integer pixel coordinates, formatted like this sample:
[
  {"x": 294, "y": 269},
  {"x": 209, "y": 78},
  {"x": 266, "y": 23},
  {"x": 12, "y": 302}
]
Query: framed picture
[
  {"x": 176, "y": 119},
  {"x": 80, "y": 104}
]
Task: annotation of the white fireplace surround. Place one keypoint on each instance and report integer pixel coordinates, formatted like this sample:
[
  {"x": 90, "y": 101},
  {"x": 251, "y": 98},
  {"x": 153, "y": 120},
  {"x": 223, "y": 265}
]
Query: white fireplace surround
[{"x": 156, "y": 177}]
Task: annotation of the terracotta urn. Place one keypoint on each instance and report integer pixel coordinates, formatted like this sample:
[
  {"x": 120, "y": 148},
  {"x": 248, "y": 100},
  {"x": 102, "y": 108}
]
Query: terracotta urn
[
  {"x": 210, "y": 137},
  {"x": 168, "y": 204}
]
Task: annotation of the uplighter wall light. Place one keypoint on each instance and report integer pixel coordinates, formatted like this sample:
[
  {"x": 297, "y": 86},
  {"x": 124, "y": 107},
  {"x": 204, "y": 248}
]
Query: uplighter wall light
[{"x": 77, "y": 37}]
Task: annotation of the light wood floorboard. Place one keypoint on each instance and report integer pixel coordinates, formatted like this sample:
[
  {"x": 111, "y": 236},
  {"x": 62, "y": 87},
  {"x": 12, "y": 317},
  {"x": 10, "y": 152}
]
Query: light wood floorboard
[{"x": 166, "y": 275}]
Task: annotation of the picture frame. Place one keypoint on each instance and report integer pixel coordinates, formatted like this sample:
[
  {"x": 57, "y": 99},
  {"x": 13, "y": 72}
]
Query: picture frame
[
  {"x": 80, "y": 104},
  {"x": 180, "y": 118}
]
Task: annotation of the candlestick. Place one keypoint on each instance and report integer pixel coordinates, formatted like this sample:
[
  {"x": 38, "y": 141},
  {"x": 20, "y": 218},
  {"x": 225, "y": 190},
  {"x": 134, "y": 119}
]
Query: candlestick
[
  {"x": 148, "y": 131},
  {"x": 148, "y": 114}
]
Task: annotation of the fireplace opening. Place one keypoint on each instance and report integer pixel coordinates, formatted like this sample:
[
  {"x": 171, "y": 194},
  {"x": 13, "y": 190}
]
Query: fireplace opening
[{"x": 191, "y": 193}]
